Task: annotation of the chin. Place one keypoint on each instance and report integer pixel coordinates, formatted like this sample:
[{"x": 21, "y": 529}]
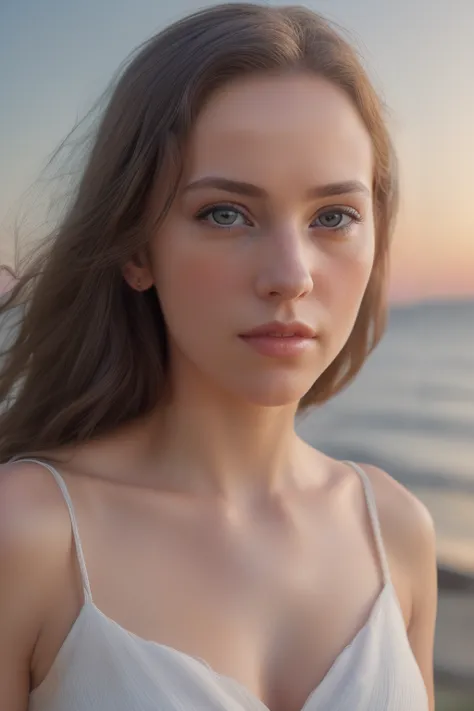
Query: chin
[
  {"x": 274, "y": 394},
  {"x": 275, "y": 400}
]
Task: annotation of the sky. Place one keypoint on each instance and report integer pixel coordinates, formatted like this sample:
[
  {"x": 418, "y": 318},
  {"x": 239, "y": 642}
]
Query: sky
[{"x": 57, "y": 56}]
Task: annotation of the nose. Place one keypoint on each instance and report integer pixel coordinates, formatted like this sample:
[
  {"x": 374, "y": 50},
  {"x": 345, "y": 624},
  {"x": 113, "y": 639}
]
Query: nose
[{"x": 286, "y": 272}]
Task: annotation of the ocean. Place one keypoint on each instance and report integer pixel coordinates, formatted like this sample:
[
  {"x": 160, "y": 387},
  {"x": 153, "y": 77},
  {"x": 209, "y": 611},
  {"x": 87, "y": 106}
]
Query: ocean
[{"x": 411, "y": 412}]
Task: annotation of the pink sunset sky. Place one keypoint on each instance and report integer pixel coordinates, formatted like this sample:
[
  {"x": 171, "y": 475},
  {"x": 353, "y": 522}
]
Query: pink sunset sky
[{"x": 419, "y": 54}]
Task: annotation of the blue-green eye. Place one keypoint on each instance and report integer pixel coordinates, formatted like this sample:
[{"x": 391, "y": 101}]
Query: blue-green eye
[
  {"x": 223, "y": 216},
  {"x": 337, "y": 219}
]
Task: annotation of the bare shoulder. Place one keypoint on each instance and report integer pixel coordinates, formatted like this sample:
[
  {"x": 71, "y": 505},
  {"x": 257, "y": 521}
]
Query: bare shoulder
[
  {"x": 32, "y": 509},
  {"x": 409, "y": 537},
  {"x": 35, "y": 541},
  {"x": 406, "y": 523}
]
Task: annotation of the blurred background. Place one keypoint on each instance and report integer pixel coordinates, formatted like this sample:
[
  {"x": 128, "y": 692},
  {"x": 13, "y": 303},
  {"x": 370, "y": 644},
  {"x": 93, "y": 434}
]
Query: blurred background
[{"x": 412, "y": 409}]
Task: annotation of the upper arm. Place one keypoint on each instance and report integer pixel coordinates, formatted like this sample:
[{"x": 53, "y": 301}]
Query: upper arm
[
  {"x": 28, "y": 574},
  {"x": 409, "y": 537},
  {"x": 421, "y": 630}
]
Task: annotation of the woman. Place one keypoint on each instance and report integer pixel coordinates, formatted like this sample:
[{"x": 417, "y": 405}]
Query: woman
[{"x": 167, "y": 540}]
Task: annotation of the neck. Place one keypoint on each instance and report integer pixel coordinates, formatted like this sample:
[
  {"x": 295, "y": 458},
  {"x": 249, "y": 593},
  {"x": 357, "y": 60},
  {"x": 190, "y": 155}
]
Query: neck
[{"x": 219, "y": 446}]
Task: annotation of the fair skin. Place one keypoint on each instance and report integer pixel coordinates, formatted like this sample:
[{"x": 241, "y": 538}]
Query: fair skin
[{"x": 257, "y": 547}]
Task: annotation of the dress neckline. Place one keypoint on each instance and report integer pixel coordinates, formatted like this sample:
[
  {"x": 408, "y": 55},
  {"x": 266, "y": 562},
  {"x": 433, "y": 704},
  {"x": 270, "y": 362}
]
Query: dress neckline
[{"x": 90, "y": 608}]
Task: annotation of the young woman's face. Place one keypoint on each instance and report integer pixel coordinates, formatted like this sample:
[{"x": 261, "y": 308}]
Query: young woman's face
[{"x": 273, "y": 222}]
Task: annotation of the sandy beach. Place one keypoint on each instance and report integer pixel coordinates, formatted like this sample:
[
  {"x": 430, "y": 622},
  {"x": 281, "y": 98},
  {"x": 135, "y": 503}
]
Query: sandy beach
[
  {"x": 454, "y": 652},
  {"x": 454, "y": 644}
]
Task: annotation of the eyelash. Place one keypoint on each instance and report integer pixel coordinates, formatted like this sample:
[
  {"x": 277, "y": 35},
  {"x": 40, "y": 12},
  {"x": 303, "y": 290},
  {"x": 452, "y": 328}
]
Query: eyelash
[
  {"x": 343, "y": 210},
  {"x": 206, "y": 211}
]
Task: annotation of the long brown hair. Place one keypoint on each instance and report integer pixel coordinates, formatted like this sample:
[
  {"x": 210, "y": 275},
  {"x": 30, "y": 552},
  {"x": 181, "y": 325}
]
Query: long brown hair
[{"x": 88, "y": 352}]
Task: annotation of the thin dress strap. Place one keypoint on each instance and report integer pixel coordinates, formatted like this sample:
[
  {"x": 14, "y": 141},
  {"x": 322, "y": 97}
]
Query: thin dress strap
[
  {"x": 374, "y": 519},
  {"x": 75, "y": 530}
]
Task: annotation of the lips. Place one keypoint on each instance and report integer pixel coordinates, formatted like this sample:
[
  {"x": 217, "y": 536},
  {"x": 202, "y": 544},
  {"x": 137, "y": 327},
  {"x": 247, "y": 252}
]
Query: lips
[
  {"x": 277, "y": 329},
  {"x": 281, "y": 340}
]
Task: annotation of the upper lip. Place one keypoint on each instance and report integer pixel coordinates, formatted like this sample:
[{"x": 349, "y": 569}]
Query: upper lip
[{"x": 294, "y": 328}]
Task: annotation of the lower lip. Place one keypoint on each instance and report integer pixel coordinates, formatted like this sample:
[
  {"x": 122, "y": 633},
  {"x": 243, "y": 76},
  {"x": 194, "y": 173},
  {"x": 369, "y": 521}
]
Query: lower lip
[{"x": 279, "y": 346}]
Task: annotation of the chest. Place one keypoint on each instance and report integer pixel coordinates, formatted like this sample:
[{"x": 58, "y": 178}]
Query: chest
[
  {"x": 374, "y": 671},
  {"x": 268, "y": 604}
]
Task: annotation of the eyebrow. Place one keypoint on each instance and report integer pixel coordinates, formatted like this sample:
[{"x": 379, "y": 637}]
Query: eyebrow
[{"x": 242, "y": 188}]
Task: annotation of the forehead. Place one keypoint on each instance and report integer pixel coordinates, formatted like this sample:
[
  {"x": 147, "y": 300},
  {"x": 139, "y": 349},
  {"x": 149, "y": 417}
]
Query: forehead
[{"x": 297, "y": 129}]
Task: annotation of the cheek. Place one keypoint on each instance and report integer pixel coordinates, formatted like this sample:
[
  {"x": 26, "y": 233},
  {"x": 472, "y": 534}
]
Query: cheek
[
  {"x": 350, "y": 271},
  {"x": 193, "y": 279},
  {"x": 362, "y": 259},
  {"x": 346, "y": 281},
  {"x": 208, "y": 274},
  {"x": 359, "y": 268}
]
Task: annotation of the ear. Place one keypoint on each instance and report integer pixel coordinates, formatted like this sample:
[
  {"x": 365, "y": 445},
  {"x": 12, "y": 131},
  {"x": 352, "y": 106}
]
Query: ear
[{"x": 137, "y": 274}]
